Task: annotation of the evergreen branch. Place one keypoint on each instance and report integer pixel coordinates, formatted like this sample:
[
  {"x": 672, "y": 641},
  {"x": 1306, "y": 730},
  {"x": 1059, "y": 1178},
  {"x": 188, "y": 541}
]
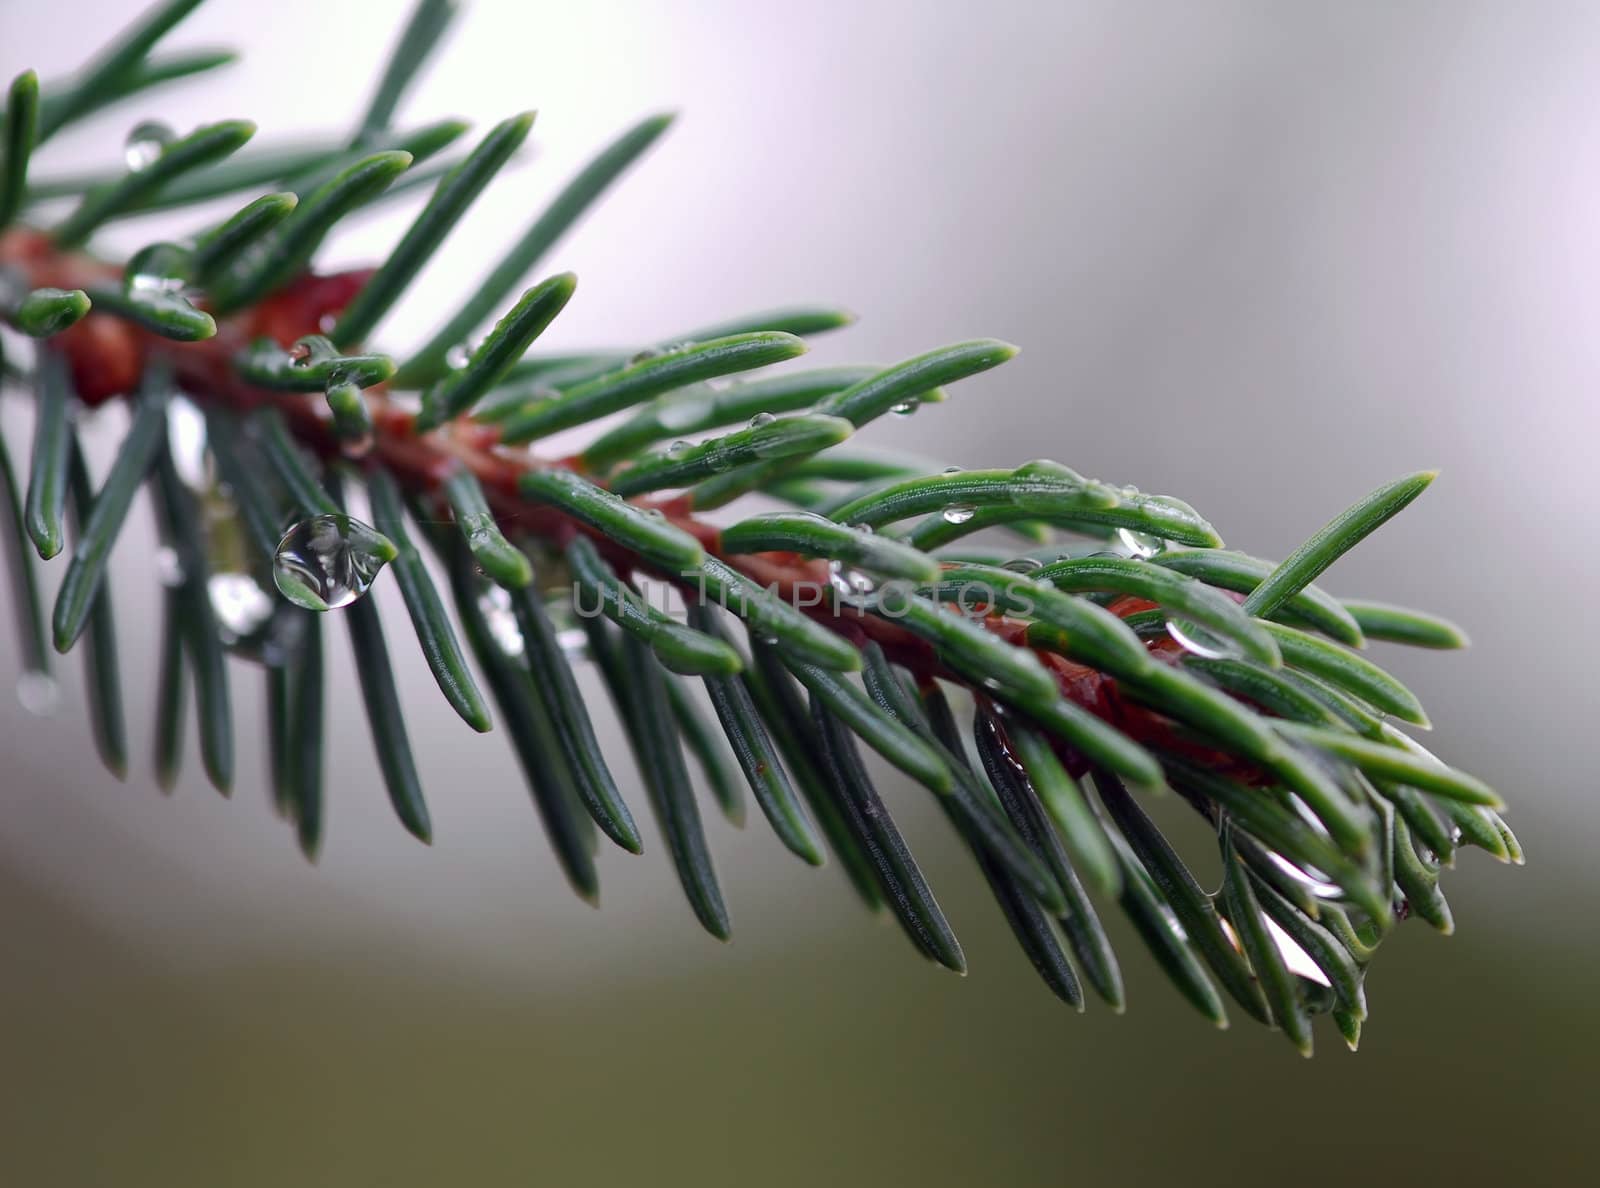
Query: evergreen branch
[{"x": 1128, "y": 650}]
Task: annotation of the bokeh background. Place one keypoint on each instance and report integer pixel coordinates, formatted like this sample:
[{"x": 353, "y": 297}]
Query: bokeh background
[{"x": 1263, "y": 256}]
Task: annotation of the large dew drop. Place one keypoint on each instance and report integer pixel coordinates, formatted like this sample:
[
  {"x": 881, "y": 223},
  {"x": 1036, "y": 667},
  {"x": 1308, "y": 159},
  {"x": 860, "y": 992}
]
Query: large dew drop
[
  {"x": 1140, "y": 544},
  {"x": 145, "y": 144},
  {"x": 328, "y": 562}
]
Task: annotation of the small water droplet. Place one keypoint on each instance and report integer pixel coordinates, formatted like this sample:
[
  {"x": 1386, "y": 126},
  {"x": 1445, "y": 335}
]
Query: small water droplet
[
  {"x": 149, "y": 282},
  {"x": 169, "y": 570},
  {"x": 145, "y": 144},
  {"x": 457, "y": 356},
  {"x": 959, "y": 513},
  {"x": 678, "y": 449},
  {"x": 495, "y": 603},
  {"x": 1200, "y": 642},
  {"x": 1140, "y": 544},
  {"x": 906, "y": 407},
  {"x": 853, "y": 586},
  {"x": 300, "y": 354},
  {"x": 328, "y": 558},
  {"x": 239, "y": 603},
  {"x": 761, "y": 419},
  {"x": 186, "y": 438},
  {"x": 158, "y": 268},
  {"x": 949, "y": 470},
  {"x": 645, "y": 355},
  {"x": 1023, "y": 564},
  {"x": 655, "y": 513}
]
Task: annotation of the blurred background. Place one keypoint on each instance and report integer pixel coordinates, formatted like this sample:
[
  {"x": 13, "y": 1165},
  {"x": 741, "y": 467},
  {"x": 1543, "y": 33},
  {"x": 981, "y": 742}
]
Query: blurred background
[{"x": 1262, "y": 256}]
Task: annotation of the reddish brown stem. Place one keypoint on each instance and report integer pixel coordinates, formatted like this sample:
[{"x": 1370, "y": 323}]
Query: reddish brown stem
[{"x": 107, "y": 356}]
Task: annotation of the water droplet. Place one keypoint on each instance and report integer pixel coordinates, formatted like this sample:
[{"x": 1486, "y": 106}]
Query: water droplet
[
  {"x": 1200, "y": 642},
  {"x": 145, "y": 144},
  {"x": 495, "y": 603},
  {"x": 38, "y": 693},
  {"x": 761, "y": 419},
  {"x": 149, "y": 282},
  {"x": 457, "y": 356},
  {"x": 1140, "y": 544},
  {"x": 655, "y": 513},
  {"x": 645, "y": 355},
  {"x": 949, "y": 470},
  {"x": 1128, "y": 492},
  {"x": 853, "y": 586},
  {"x": 906, "y": 407},
  {"x": 1314, "y": 881},
  {"x": 959, "y": 513},
  {"x": 300, "y": 354},
  {"x": 158, "y": 268},
  {"x": 328, "y": 559},
  {"x": 720, "y": 460},
  {"x": 678, "y": 449},
  {"x": 1023, "y": 564},
  {"x": 169, "y": 570},
  {"x": 239, "y": 603},
  {"x": 186, "y": 438},
  {"x": 1295, "y": 959}
]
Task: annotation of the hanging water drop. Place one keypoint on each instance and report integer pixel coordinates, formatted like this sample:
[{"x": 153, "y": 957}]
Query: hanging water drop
[
  {"x": 1140, "y": 544},
  {"x": 958, "y": 513},
  {"x": 145, "y": 144},
  {"x": 457, "y": 356},
  {"x": 300, "y": 354},
  {"x": 1200, "y": 642},
  {"x": 38, "y": 693},
  {"x": 678, "y": 449},
  {"x": 760, "y": 419},
  {"x": 239, "y": 603},
  {"x": 328, "y": 562},
  {"x": 906, "y": 407}
]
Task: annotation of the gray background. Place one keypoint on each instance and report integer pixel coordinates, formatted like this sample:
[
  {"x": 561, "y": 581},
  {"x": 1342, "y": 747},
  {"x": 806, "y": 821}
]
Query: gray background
[{"x": 1261, "y": 256}]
